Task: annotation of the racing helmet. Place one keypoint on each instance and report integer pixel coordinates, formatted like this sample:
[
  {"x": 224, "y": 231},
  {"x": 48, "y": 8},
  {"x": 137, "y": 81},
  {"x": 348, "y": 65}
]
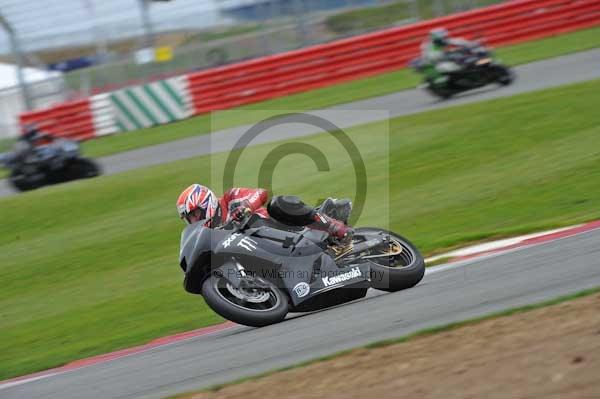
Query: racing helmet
[
  {"x": 196, "y": 203},
  {"x": 439, "y": 36}
]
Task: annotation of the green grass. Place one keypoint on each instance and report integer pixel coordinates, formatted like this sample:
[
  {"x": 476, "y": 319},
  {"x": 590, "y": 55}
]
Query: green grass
[
  {"x": 91, "y": 266},
  {"x": 380, "y": 17},
  {"x": 551, "y": 47},
  {"x": 369, "y": 18},
  {"x": 6, "y": 144},
  {"x": 406, "y": 338},
  {"x": 341, "y": 93},
  {"x": 207, "y": 36}
]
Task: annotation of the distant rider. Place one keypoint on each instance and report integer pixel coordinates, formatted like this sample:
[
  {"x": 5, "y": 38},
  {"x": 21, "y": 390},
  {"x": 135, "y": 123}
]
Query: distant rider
[
  {"x": 31, "y": 138},
  {"x": 198, "y": 202},
  {"x": 436, "y": 50}
]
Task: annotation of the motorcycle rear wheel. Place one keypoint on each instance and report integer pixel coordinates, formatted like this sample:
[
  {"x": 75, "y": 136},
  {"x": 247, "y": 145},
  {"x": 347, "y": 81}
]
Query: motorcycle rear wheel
[
  {"x": 254, "y": 308},
  {"x": 22, "y": 183},
  {"x": 404, "y": 269}
]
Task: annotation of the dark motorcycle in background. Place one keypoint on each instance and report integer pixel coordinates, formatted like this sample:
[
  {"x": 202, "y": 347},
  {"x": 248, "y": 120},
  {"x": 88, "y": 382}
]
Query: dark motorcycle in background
[
  {"x": 461, "y": 70},
  {"x": 255, "y": 274},
  {"x": 60, "y": 161}
]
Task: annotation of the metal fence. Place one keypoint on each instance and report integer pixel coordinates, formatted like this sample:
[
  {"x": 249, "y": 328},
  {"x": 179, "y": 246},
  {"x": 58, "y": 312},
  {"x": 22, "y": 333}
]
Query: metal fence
[{"x": 43, "y": 93}]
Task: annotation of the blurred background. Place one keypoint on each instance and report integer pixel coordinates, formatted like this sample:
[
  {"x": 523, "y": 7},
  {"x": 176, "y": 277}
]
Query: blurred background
[{"x": 75, "y": 48}]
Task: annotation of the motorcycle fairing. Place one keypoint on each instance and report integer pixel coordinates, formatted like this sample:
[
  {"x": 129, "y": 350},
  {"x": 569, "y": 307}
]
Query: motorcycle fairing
[{"x": 289, "y": 259}]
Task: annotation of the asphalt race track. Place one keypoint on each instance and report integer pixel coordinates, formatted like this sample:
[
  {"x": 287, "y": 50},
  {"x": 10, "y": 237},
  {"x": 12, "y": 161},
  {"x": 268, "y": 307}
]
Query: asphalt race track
[
  {"x": 447, "y": 294},
  {"x": 557, "y": 71}
]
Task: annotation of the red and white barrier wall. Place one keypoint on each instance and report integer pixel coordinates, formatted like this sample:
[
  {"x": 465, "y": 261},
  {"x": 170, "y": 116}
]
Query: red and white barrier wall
[
  {"x": 383, "y": 51},
  {"x": 322, "y": 65},
  {"x": 71, "y": 119}
]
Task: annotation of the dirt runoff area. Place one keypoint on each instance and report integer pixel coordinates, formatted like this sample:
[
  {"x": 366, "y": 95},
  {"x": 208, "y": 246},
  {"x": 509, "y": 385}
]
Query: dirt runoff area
[{"x": 550, "y": 352}]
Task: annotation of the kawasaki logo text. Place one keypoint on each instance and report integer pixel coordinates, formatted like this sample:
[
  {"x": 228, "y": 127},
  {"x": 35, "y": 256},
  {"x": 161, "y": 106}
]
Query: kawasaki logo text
[{"x": 354, "y": 272}]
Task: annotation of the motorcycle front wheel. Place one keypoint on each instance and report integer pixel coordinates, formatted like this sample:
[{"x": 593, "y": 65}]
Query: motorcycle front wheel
[
  {"x": 504, "y": 76},
  {"x": 82, "y": 168},
  {"x": 440, "y": 92},
  {"x": 255, "y": 307}
]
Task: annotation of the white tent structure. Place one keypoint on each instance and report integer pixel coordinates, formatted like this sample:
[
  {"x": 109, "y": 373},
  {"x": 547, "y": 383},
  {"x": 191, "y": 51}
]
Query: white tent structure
[{"x": 45, "y": 87}]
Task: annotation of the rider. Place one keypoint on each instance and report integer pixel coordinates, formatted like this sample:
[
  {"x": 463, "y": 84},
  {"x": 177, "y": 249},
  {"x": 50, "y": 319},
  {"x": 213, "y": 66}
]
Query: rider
[
  {"x": 30, "y": 139},
  {"x": 198, "y": 202},
  {"x": 437, "y": 47}
]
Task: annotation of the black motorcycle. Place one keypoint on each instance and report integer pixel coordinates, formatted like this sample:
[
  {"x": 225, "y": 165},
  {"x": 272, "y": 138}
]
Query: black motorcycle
[
  {"x": 255, "y": 271},
  {"x": 60, "y": 161},
  {"x": 462, "y": 70}
]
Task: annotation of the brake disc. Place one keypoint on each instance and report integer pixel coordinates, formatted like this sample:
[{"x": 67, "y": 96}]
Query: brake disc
[{"x": 249, "y": 295}]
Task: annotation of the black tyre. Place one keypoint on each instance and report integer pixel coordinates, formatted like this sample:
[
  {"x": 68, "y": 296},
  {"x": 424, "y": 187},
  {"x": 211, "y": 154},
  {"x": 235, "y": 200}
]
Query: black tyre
[
  {"x": 23, "y": 183},
  {"x": 440, "y": 92},
  {"x": 255, "y": 308},
  {"x": 403, "y": 268},
  {"x": 82, "y": 168},
  {"x": 504, "y": 75}
]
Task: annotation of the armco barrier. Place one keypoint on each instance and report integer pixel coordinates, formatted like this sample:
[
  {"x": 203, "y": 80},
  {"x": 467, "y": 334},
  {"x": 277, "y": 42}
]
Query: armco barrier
[
  {"x": 151, "y": 104},
  {"x": 128, "y": 109},
  {"x": 103, "y": 115},
  {"x": 371, "y": 54},
  {"x": 301, "y": 70},
  {"x": 73, "y": 120}
]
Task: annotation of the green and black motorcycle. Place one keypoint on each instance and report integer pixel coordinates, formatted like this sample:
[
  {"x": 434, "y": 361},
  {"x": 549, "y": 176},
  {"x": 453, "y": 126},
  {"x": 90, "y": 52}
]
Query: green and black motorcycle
[{"x": 462, "y": 70}]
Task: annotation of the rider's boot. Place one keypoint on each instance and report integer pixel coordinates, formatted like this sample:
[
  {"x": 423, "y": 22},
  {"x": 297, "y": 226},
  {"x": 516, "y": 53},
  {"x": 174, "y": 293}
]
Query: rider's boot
[
  {"x": 340, "y": 233},
  {"x": 339, "y": 209}
]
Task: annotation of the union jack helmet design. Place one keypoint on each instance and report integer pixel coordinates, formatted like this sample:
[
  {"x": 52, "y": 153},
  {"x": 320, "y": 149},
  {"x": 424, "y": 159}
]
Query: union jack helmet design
[{"x": 197, "y": 197}]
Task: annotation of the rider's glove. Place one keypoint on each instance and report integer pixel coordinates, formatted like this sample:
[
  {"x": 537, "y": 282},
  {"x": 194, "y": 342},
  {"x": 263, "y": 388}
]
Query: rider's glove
[
  {"x": 240, "y": 213},
  {"x": 341, "y": 231},
  {"x": 338, "y": 229}
]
